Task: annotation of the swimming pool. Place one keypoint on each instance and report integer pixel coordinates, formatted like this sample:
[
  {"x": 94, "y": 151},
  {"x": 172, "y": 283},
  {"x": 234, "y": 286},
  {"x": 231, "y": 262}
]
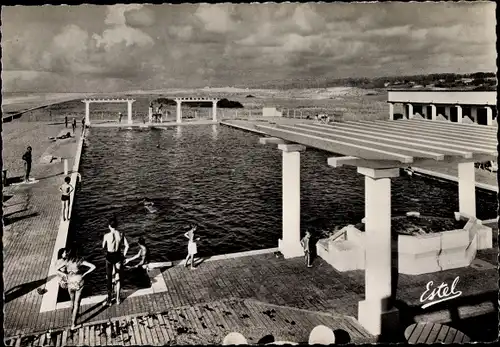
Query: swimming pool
[{"x": 230, "y": 186}]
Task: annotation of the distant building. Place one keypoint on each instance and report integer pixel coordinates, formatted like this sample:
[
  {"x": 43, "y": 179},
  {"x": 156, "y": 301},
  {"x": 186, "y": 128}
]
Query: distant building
[{"x": 446, "y": 105}]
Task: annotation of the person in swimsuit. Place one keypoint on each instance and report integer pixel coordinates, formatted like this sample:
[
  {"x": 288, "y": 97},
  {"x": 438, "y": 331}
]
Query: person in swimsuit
[
  {"x": 73, "y": 125},
  {"x": 69, "y": 269},
  {"x": 113, "y": 242},
  {"x": 192, "y": 249},
  {"x": 143, "y": 255},
  {"x": 66, "y": 190}
]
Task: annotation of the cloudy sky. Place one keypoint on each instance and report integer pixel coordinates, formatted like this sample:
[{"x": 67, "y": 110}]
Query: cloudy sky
[{"x": 116, "y": 48}]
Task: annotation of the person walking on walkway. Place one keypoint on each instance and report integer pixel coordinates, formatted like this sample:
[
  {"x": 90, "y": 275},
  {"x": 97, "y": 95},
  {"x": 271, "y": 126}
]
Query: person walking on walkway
[
  {"x": 83, "y": 124},
  {"x": 69, "y": 269},
  {"x": 73, "y": 125},
  {"x": 113, "y": 242},
  {"x": 192, "y": 249},
  {"x": 66, "y": 121},
  {"x": 305, "y": 245},
  {"x": 66, "y": 190},
  {"x": 27, "y": 163}
]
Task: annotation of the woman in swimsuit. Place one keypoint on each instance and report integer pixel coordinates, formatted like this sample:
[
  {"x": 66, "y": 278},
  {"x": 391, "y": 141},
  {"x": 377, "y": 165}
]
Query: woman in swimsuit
[
  {"x": 192, "y": 249},
  {"x": 113, "y": 242},
  {"x": 66, "y": 190},
  {"x": 69, "y": 268}
]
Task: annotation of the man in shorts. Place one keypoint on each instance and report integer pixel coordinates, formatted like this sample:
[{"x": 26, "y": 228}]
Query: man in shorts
[
  {"x": 305, "y": 245},
  {"x": 113, "y": 243}
]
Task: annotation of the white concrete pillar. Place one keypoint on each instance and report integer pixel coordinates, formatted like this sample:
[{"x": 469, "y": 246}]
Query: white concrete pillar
[
  {"x": 65, "y": 166},
  {"x": 409, "y": 111},
  {"x": 447, "y": 113},
  {"x": 179, "y": 111},
  {"x": 87, "y": 113},
  {"x": 129, "y": 111},
  {"x": 391, "y": 111},
  {"x": 375, "y": 312},
  {"x": 433, "y": 112},
  {"x": 489, "y": 115},
  {"x": 290, "y": 245},
  {"x": 467, "y": 188},
  {"x": 459, "y": 113},
  {"x": 473, "y": 114},
  {"x": 214, "y": 111}
]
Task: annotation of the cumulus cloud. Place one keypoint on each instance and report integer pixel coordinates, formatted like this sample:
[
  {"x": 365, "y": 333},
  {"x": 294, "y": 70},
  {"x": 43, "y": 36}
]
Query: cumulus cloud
[{"x": 149, "y": 46}]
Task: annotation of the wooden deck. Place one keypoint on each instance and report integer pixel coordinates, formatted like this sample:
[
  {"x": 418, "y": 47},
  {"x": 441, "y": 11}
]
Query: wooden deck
[
  {"x": 201, "y": 324},
  {"x": 430, "y": 333}
]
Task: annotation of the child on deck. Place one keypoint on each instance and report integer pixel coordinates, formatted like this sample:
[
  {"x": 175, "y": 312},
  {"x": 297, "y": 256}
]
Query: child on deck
[
  {"x": 143, "y": 255},
  {"x": 66, "y": 190},
  {"x": 192, "y": 249},
  {"x": 305, "y": 245}
]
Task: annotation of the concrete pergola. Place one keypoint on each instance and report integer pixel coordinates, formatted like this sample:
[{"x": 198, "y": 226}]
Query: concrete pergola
[
  {"x": 179, "y": 101},
  {"x": 378, "y": 149},
  {"x": 103, "y": 101},
  {"x": 429, "y": 100}
]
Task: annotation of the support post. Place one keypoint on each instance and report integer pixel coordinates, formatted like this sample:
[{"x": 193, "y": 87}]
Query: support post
[
  {"x": 87, "y": 113},
  {"x": 129, "y": 111},
  {"x": 433, "y": 112},
  {"x": 391, "y": 111},
  {"x": 179, "y": 111},
  {"x": 375, "y": 312},
  {"x": 290, "y": 245},
  {"x": 447, "y": 113},
  {"x": 214, "y": 111},
  {"x": 473, "y": 114},
  {"x": 65, "y": 166},
  {"x": 489, "y": 115},
  {"x": 459, "y": 113},
  {"x": 410, "y": 111},
  {"x": 467, "y": 189}
]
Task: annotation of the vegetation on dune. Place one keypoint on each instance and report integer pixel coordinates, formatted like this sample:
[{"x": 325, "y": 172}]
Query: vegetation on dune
[{"x": 222, "y": 103}]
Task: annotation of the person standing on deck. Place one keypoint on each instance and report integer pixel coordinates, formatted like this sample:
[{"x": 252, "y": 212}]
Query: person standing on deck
[
  {"x": 305, "y": 245},
  {"x": 192, "y": 249},
  {"x": 66, "y": 121},
  {"x": 120, "y": 117},
  {"x": 83, "y": 123},
  {"x": 66, "y": 190},
  {"x": 73, "y": 125},
  {"x": 27, "y": 163},
  {"x": 113, "y": 242}
]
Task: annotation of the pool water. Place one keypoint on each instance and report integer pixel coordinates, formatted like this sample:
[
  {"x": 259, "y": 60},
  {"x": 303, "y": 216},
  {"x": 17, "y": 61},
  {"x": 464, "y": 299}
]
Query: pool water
[{"x": 225, "y": 182}]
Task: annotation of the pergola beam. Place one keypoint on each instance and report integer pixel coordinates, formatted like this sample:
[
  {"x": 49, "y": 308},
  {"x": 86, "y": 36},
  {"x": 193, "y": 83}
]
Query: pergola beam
[
  {"x": 382, "y": 132},
  {"x": 335, "y": 146}
]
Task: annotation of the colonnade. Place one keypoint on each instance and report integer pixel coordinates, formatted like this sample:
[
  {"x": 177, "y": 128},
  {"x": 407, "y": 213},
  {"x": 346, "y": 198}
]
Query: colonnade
[{"x": 430, "y": 111}]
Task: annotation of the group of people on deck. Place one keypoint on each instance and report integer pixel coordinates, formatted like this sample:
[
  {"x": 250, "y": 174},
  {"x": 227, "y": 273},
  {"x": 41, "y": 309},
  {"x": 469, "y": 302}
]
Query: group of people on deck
[{"x": 72, "y": 269}]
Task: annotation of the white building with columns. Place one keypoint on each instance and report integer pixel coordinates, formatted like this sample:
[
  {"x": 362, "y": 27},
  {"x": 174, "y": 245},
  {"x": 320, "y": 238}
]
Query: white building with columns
[{"x": 446, "y": 105}]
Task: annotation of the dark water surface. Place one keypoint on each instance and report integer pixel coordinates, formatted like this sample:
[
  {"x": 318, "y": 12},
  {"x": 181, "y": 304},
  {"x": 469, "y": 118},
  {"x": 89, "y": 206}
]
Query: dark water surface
[{"x": 225, "y": 182}]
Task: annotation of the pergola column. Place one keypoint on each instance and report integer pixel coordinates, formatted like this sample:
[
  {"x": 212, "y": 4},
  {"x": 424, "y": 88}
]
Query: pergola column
[
  {"x": 473, "y": 114},
  {"x": 214, "y": 110},
  {"x": 87, "y": 113},
  {"x": 459, "y": 113},
  {"x": 447, "y": 113},
  {"x": 375, "y": 312},
  {"x": 467, "y": 188},
  {"x": 433, "y": 112},
  {"x": 391, "y": 111},
  {"x": 129, "y": 111},
  {"x": 179, "y": 111},
  {"x": 410, "y": 111},
  {"x": 290, "y": 245},
  {"x": 489, "y": 115}
]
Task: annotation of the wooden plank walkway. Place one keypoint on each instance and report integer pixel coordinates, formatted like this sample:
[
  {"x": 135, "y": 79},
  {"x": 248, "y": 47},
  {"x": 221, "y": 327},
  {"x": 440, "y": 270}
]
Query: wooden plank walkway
[
  {"x": 201, "y": 324},
  {"x": 430, "y": 333}
]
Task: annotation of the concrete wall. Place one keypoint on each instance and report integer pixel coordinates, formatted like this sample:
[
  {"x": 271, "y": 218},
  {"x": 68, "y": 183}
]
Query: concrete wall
[
  {"x": 270, "y": 112},
  {"x": 443, "y": 97}
]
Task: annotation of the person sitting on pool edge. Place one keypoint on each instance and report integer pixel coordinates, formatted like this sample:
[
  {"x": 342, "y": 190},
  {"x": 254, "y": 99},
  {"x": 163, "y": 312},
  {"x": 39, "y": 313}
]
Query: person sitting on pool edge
[{"x": 143, "y": 255}]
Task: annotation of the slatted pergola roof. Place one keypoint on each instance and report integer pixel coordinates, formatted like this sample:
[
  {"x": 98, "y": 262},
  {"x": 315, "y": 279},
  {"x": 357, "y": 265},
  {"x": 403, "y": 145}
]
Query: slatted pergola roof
[{"x": 391, "y": 144}]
